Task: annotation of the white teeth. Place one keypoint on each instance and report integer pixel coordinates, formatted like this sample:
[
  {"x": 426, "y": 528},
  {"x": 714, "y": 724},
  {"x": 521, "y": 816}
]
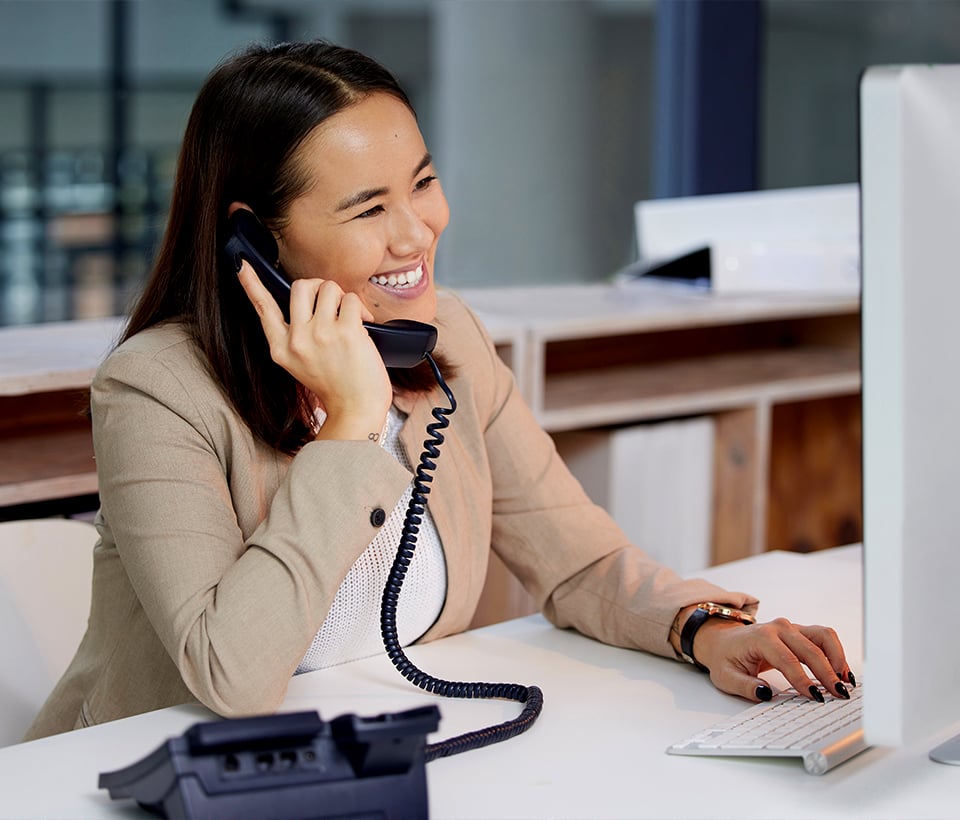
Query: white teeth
[{"x": 400, "y": 280}]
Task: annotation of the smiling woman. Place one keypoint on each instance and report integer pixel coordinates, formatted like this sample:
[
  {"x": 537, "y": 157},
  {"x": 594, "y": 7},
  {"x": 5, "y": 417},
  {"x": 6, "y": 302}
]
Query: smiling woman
[{"x": 255, "y": 471}]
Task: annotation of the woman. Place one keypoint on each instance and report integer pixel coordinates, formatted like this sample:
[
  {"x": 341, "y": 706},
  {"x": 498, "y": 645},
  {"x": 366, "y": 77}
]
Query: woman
[{"x": 253, "y": 471}]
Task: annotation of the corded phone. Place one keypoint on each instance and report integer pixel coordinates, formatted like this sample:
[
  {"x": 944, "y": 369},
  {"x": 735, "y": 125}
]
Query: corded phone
[
  {"x": 369, "y": 767},
  {"x": 286, "y": 766},
  {"x": 401, "y": 342}
]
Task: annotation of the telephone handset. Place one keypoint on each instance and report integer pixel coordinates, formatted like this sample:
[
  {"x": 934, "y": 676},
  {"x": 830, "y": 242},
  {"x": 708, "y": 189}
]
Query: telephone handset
[{"x": 401, "y": 342}]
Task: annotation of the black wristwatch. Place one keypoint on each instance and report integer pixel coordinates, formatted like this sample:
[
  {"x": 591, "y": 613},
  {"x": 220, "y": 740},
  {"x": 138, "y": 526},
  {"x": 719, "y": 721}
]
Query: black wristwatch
[{"x": 698, "y": 618}]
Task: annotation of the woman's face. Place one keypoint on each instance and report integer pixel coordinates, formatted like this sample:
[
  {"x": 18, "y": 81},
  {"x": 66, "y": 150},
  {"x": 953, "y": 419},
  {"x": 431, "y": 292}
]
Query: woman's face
[{"x": 373, "y": 210}]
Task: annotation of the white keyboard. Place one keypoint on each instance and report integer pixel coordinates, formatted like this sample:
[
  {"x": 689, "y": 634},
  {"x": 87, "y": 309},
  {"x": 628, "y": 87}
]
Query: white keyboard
[{"x": 790, "y": 725}]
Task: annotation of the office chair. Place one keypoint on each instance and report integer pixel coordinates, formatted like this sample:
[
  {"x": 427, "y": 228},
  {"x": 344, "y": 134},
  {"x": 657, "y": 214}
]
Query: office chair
[{"x": 46, "y": 566}]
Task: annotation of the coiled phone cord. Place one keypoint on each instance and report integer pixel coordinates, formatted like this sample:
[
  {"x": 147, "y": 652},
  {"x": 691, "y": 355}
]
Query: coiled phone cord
[{"x": 530, "y": 696}]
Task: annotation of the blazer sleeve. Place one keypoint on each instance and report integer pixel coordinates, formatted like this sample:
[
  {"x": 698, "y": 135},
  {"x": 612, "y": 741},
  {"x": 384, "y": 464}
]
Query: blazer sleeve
[
  {"x": 234, "y": 613},
  {"x": 568, "y": 552}
]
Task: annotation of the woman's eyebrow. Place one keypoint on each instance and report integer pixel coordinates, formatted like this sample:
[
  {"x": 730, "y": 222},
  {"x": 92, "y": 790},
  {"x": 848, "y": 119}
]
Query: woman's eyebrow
[
  {"x": 367, "y": 194},
  {"x": 359, "y": 198},
  {"x": 427, "y": 159}
]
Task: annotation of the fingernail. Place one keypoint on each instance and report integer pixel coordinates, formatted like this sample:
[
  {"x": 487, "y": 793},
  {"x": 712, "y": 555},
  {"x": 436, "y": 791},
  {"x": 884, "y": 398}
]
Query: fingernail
[
  {"x": 841, "y": 690},
  {"x": 851, "y": 679},
  {"x": 764, "y": 692},
  {"x": 816, "y": 694}
]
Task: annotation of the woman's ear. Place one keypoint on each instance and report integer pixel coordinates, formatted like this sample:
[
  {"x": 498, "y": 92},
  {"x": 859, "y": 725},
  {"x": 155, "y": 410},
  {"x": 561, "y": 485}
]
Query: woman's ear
[{"x": 233, "y": 207}]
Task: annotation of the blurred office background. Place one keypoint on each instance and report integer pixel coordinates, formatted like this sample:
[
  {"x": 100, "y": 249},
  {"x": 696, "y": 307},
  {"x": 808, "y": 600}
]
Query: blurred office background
[{"x": 548, "y": 118}]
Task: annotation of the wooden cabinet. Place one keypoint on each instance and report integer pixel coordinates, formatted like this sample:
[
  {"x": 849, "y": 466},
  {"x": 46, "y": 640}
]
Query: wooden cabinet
[
  {"x": 45, "y": 370},
  {"x": 779, "y": 375}
]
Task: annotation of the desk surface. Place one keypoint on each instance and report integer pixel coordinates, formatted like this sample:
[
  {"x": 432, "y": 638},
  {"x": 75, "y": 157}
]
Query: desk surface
[
  {"x": 568, "y": 311},
  {"x": 55, "y": 355},
  {"x": 597, "y": 750}
]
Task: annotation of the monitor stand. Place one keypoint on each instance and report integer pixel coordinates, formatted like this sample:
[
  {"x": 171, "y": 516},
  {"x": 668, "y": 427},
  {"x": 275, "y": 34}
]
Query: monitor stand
[{"x": 947, "y": 752}]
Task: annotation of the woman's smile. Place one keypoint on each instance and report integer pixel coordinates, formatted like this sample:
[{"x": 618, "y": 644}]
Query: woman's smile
[{"x": 405, "y": 283}]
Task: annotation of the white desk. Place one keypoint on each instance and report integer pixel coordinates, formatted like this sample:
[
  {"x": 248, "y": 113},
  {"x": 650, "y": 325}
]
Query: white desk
[{"x": 598, "y": 748}]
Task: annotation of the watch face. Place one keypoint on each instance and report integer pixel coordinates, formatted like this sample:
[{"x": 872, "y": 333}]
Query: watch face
[{"x": 728, "y": 613}]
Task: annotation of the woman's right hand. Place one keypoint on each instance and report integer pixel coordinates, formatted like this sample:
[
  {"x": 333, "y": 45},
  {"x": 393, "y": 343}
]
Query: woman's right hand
[{"x": 326, "y": 348}]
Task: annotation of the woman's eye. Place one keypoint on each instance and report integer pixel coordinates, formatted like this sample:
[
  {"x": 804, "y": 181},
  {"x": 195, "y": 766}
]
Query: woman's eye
[
  {"x": 376, "y": 209},
  {"x": 424, "y": 183}
]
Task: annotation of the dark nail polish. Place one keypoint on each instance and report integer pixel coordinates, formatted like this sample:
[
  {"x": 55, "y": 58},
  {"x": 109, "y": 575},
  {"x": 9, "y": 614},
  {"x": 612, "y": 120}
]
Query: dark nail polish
[
  {"x": 815, "y": 694},
  {"x": 851, "y": 679},
  {"x": 764, "y": 692},
  {"x": 842, "y": 690}
]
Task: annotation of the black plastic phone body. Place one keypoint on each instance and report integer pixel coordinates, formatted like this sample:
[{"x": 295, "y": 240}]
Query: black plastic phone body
[
  {"x": 286, "y": 767},
  {"x": 401, "y": 342}
]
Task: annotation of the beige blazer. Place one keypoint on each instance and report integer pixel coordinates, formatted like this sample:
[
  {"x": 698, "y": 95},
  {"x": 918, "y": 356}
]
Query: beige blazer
[{"x": 219, "y": 557}]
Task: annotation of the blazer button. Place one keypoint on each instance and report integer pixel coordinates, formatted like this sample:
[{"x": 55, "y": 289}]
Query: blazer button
[{"x": 377, "y": 517}]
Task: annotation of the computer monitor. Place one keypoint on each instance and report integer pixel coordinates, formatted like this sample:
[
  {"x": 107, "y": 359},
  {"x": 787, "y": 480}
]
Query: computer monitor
[{"x": 910, "y": 207}]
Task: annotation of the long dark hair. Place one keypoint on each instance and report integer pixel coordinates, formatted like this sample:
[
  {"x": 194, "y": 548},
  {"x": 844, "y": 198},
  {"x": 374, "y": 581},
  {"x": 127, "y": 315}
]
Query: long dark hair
[{"x": 251, "y": 115}]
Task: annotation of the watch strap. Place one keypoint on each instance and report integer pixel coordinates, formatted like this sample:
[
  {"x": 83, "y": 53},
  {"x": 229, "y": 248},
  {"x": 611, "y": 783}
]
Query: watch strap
[{"x": 698, "y": 618}]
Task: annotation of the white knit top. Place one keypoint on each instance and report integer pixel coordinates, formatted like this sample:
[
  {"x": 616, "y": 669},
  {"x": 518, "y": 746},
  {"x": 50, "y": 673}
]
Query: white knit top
[{"x": 351, "y": 629}]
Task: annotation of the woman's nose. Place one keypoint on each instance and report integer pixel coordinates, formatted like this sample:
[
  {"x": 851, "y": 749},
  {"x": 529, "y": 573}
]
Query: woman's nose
[{"x": 411, "y": 233}]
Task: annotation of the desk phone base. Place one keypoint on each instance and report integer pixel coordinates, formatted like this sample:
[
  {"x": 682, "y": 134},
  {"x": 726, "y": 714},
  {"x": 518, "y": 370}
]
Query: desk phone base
[{"x": 286, "y": 766}]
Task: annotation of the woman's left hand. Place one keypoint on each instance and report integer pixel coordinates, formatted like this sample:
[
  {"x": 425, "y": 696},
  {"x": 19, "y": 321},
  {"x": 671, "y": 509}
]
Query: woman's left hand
[{"x": 736, "y": 654}]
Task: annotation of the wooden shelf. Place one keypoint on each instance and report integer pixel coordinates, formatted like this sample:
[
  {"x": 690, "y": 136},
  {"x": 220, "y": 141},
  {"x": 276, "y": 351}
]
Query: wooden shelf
[
  {"x": 44, "y": 462},
  {"x": 46, "y": 451},
  {"x": 630, "y": 393}
]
